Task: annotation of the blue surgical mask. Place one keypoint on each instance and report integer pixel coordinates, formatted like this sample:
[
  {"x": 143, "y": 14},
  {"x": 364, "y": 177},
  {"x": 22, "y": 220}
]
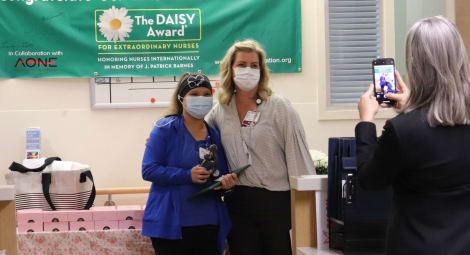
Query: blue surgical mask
[{"x": 198, "y": 106}]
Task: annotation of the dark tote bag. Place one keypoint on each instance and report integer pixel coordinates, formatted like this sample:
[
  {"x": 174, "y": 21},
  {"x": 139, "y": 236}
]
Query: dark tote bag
[
  {"x": 357, "y": 218},
  {"x": 52, "y": 184}
]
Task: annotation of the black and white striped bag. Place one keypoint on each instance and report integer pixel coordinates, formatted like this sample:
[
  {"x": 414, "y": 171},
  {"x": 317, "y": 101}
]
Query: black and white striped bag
[{"x": 52, "y": 184}]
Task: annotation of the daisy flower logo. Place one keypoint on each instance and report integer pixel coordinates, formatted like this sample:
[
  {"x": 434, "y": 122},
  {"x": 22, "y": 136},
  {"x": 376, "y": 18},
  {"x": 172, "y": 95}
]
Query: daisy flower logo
[{"x": 114, "y": 24}]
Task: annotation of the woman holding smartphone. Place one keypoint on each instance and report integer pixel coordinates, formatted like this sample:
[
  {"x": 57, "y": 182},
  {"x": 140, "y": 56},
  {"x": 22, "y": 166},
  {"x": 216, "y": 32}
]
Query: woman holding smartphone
[
  {"x": 176, "y": 147},
  {"x": 423, "y": 152}
]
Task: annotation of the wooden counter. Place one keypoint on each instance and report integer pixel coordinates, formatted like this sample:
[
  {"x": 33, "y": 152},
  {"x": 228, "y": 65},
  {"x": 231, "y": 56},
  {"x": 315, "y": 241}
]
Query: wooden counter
[
  {"x": 308, "y": 206},
  {"x": 7, "y": 220}
]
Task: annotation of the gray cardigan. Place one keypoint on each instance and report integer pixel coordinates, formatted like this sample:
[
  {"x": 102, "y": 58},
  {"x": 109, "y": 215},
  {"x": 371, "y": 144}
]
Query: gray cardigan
[{"x": 275, "y": 147}]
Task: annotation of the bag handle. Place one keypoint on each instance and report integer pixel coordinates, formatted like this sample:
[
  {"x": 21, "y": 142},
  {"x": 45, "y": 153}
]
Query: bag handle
[
  {"x": 91, "y": 199},
  {"x": 22, "y": 169},
  {"x": 46, "y": 184}
]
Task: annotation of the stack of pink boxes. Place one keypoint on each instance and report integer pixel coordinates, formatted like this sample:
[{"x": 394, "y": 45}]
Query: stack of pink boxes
[
  {"x": 30, "y": 220},
  {"x": 97, "y": 218},
  {"x": 119, "y": 217}
]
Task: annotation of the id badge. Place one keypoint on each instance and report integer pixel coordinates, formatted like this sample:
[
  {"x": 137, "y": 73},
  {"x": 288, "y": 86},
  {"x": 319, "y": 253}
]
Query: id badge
[
  {"x": 251, "y": 118},
  {"x": 203, "y": 152}
]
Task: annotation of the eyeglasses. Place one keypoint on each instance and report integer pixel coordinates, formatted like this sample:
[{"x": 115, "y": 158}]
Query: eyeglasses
[{"x": 194, "y": 80}]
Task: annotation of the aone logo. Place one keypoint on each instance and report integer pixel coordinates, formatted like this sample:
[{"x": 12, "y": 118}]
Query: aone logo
[{"x": 36, "y": 62}]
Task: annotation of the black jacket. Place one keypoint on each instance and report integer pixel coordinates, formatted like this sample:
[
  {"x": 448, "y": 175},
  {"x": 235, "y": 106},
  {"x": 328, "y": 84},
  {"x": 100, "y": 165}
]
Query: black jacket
[{"x": 429, "y": 169}]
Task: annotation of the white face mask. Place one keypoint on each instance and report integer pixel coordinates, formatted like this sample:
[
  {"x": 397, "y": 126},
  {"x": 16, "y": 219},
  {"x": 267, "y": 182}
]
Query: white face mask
[{"x": 246, "y": 78}]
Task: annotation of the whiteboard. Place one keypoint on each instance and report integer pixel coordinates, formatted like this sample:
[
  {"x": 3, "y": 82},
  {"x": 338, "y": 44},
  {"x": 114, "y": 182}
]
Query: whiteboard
[{"x": 134, "y": 92}]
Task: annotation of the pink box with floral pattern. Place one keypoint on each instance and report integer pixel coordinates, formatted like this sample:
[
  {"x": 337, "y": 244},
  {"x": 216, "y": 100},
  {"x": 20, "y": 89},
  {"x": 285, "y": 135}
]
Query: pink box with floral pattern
[
  {"x": 30, "y": 216},
  {"x": 106, "y": 225},
  {"x": 61, "y": 226},
  {"x": 30, "y": 227},
  {"x": 130, "y": 224},
  {"x": 82, "y": 226},
  {"x": 55, "y": 216},
  {"x": 104, "y": 213},
  {"x": 79, "y": 215},
  {"x": 129, "y": 212}
]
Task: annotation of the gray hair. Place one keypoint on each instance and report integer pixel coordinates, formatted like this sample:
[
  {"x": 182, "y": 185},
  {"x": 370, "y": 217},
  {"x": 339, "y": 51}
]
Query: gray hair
[{"x": 439, "y": 74}]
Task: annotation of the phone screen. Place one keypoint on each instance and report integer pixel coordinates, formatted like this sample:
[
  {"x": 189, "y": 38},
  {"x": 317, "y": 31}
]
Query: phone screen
[{"x": 384, "y": 79}]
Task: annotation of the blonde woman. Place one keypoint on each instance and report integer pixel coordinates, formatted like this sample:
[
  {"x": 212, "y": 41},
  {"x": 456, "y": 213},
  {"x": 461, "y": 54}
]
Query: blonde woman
[
  {"x": 423, "y": 153},
  {"x": 259, "y": 128}
]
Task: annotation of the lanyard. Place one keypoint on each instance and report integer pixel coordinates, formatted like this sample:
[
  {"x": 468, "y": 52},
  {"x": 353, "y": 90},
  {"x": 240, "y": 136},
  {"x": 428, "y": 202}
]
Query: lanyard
[{"x": 247, "y": 125}]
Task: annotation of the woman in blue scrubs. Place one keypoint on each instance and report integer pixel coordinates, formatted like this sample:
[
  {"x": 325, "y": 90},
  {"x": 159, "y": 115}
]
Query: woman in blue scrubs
[{"x": 175, "y": 149}]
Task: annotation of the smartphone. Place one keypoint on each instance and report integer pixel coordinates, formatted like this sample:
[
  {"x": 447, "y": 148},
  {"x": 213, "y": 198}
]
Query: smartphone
[{"x": 383, "y": 71}]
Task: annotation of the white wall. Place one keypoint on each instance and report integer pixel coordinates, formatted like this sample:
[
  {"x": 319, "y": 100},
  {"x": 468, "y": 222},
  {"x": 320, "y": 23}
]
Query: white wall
[
  {"x": 112, "y": 141},
  {"x": 408, "y": 13}
]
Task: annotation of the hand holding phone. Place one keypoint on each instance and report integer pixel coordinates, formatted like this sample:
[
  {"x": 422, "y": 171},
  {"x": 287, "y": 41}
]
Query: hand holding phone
[
  {"x": 368, "y": 105},
  {"x": 383, "y": 71},
  {"x": 401, "y": 96}
]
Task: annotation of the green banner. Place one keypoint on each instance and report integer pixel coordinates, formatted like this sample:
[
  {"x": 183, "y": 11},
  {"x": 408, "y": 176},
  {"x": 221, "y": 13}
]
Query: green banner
[{"x": 110, "y": 38}]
